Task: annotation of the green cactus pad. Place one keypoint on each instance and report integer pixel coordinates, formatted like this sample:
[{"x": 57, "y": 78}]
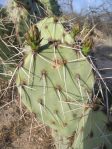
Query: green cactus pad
[
  {"x": 52, "y": 29},
  {"x": 52, "y": 81},
  {"x": 94, "y": 131}
]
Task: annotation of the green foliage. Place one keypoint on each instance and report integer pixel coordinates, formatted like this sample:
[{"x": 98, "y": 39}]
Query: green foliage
[
  {"x": 87, "y": 46},
  {"x": 82, "y": 37}
]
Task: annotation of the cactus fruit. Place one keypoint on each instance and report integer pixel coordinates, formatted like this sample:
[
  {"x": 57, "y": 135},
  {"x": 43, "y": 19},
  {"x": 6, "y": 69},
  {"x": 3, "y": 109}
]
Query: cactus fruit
[{"x": 52, "y": 80}]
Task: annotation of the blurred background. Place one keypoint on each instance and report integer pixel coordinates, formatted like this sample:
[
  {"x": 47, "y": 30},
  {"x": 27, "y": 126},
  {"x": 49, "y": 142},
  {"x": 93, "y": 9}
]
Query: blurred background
[
  {"x": 93, "y": 11},
  {"x": 79, "y": 5}
]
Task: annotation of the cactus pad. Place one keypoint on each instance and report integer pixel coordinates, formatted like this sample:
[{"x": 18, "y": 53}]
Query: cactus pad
[
  {"x": 52, "y": 80},
  {"x": 94, "y": 131}
]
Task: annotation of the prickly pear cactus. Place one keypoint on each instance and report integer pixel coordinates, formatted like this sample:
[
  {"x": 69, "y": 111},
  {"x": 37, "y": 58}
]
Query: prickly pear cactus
[
  {"x": 52, "y": 80},
  {"x": 19, "y": 9},
  {"x": 94, "y": 130},
  {"x": 23, "y": 13},
  {"x": 52, "y": 30}
]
